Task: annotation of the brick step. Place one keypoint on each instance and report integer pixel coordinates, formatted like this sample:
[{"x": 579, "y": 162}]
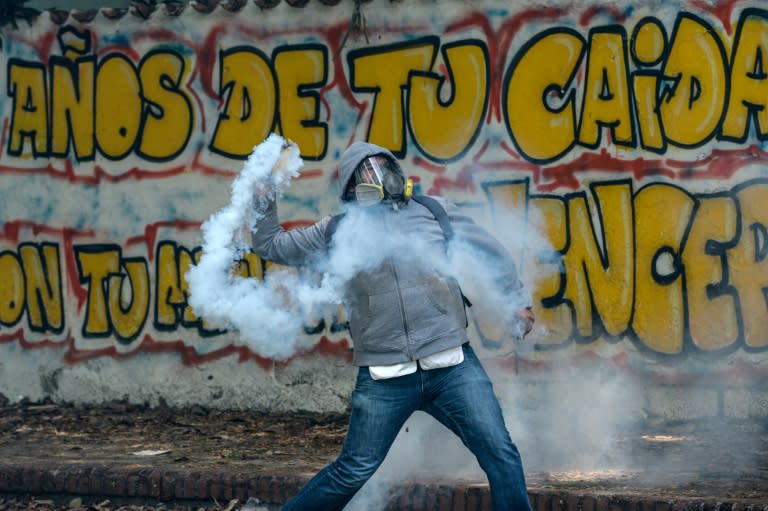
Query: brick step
[{"x": 225, "y": 485}]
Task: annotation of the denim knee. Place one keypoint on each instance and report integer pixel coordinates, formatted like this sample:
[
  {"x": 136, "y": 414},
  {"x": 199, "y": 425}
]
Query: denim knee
[{"x": 353, "y": 471}]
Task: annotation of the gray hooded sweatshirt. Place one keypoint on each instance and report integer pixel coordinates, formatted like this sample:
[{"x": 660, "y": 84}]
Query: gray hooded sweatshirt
[{"x": 405, "y": 308}]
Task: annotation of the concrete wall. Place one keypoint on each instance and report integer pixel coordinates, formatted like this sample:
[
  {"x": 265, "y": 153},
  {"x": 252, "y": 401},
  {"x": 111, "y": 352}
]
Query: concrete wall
[{"x": 630, "y": 138}]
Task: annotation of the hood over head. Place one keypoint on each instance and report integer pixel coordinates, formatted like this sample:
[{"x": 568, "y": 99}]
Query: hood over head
[{"x": 355, "y": 154}]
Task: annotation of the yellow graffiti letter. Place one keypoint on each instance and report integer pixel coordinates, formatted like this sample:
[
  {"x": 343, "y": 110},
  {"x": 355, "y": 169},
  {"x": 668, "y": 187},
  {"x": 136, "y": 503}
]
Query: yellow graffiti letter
[
  {"x": 186, "y": 260},
  {"x": 168, "y": 110},
  {"x": 600, "y": 276},
  {"x": 538, "y": 109},
  {"x": 712, "y": 314},
  {"x": 749, "y": 264},
  {"x": 606, "y": 90},
  {"x": 749, "y": 77},
  {"x": 250, "y": 266},
  {"x": 127, "y": 320},
  {"x": 298, "y": 70},
  {"x": 12, "y": 289},
  {"x": 26, "y": 85},
  {"x": 385, "y": 71},
  {"x": 95, "y": 265},
  {"x": 249, "y": 113},
  {"x": 692, "y": 102},
  {"x": 509, "y": 201},
  {"x": 45, "y": 306},
  {"x": 72, "y": 98},
  {"x": 663, "y": 215},
  {"x": 548, "y": 304},
  {"x": 170, "y": 297},
  {"x": 445, "y": 129},
  {"x": 651, "y": 136},
  {"x": 118, "y": 106}
]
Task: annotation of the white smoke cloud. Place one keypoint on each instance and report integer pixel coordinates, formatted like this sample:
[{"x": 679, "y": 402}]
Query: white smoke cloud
[
  {"x": 255, "y": 309},
  {"x": 269, "y": 315}
]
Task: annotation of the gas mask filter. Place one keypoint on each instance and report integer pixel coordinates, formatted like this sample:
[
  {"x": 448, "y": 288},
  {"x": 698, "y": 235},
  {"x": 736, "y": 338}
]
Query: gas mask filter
[{"x": 378, "y": 179}]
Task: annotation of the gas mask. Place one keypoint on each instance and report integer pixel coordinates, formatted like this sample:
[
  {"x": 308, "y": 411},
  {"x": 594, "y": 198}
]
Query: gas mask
[{"x": 378, "y": 179}]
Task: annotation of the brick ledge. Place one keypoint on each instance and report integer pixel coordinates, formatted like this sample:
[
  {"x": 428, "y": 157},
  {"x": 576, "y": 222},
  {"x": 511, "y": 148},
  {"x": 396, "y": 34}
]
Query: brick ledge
[{"x": 223, "y": 485}]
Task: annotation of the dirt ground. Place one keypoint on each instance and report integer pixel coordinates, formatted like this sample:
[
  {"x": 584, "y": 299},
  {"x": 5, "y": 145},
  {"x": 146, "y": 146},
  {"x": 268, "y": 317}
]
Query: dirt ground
[
  {"x": 117, "y": 433},
  {"x": 120, "y": 434},
  {"x": 736, "y": 466}
]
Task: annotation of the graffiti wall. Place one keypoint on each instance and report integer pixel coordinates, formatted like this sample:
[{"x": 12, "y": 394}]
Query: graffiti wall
[{"x": 630, "y": 137}]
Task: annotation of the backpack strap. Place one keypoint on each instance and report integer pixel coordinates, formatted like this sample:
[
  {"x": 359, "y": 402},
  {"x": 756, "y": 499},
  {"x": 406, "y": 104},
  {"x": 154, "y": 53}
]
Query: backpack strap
[
  {"x": 330, "y": 229},
  {"x": 438, "y": 211}
]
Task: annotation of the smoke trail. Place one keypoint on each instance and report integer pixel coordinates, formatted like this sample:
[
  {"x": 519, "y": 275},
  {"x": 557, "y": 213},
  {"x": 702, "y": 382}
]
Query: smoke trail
[{"x": 257, "y": 310}]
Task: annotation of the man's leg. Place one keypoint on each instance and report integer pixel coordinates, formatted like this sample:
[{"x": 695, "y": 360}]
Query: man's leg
[
  {"x": 379, "y": 410},
  {"x": 462, "y": 399}
]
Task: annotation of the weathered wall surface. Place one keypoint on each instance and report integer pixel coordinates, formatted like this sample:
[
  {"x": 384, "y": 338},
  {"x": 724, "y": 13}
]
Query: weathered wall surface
[{"x": 631, "y": 136}]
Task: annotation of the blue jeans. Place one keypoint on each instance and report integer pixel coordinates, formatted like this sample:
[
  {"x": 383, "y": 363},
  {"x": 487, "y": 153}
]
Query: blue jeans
[{"x": 460, "y": 397}]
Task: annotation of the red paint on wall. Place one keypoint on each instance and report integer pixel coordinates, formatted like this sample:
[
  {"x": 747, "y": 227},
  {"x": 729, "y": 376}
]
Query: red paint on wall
[
  {"x": 722, "y": 9},
  {"x": 597, "y": 10}
]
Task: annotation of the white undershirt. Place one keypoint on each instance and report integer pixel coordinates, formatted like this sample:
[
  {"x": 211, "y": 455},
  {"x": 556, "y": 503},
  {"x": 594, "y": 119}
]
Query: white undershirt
[{"x": 446, "y": 358}]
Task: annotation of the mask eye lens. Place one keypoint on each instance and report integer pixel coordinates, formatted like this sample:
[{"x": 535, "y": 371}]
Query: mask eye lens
[
  {"x": 390, "y": 165},
  {"x": 368, "y": 175},
  {"x": 369, "y": 172}
]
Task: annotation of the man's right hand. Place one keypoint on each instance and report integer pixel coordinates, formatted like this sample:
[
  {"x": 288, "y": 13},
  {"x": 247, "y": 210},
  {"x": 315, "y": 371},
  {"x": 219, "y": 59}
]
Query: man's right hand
[{"x": 526, "y": 320}]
